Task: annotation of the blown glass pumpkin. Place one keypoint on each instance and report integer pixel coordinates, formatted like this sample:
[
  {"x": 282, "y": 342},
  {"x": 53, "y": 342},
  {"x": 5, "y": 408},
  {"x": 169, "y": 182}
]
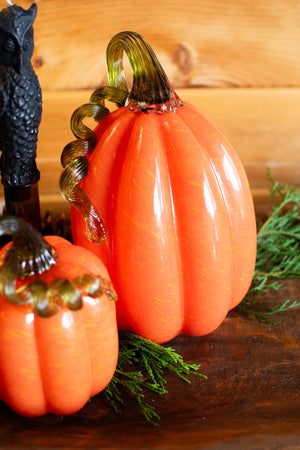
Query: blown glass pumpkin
[
  {"x": 169, "y": 194},
  {"x": 58, "y": 330}
]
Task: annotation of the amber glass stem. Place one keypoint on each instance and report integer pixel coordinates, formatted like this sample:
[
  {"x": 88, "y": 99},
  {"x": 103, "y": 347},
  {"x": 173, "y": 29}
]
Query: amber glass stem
[
  {"x": 29, "y": 252},
  {"x": 151, "y": 88}
]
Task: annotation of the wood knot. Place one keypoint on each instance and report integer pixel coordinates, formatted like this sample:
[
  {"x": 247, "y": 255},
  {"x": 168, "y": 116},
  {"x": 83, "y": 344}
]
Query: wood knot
[
  {"x": 183, "y": 59},
  {"x": 37, "y": 62}
]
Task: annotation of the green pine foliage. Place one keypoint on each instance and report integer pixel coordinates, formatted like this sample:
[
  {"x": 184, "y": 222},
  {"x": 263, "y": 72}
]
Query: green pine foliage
[
  {"x": 142, "y": 366},
  {"x": 278, "y": 251}
]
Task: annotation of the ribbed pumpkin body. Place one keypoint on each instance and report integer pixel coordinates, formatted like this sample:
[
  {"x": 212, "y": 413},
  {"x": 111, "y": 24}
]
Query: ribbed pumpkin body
[
  {"x": 181, "y": 234},
  {"x": 56, "y": 364}
]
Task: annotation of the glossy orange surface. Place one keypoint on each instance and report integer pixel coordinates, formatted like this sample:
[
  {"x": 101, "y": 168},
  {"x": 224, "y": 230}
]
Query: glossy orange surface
[
  {"x": 181, "y": 233},
  {"x": 56, "y": 364}
]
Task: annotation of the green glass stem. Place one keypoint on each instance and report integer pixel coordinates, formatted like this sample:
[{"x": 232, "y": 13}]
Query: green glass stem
[
  {"x": 31, "y": 254},
  {"x": 28, "y": 255},
  {"x": 151, "y": 89}
]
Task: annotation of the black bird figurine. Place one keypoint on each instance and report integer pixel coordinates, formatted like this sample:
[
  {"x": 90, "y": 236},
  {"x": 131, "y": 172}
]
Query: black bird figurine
[{"x": 20, "y": 113}]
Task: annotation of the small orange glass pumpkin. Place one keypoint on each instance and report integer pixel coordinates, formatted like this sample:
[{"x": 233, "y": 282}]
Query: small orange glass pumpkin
[
  {"x": 173, "y": 197},
  {"x": 58, "y": 330}
]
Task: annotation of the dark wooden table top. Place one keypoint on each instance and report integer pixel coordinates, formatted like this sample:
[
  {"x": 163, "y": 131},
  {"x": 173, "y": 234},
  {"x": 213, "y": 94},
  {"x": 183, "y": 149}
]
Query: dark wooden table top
[{"x": 251, "y": 399}]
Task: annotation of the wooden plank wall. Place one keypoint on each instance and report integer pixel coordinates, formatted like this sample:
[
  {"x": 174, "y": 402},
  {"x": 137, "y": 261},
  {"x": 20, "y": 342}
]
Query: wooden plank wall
[{"x": 237, "y": 60}]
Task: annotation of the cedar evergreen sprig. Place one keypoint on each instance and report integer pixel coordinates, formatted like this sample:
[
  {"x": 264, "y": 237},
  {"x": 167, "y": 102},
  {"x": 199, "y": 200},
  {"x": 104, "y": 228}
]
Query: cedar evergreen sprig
[
  {"x": 278, "y": 250},
  {"x": 153, "y": 361}
]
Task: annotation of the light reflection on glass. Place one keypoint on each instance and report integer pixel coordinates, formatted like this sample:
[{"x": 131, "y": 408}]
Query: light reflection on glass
[
  {"x": 159, "y": 209},
  {"x": 230, "y": 172},
  {"x": 208, "y": 198},
  {"x": 211, "y": 208},
  {"x": 67, "y": 319},
  {"x": 157, "y": 196},
  {"x": 90, "y": 301},
  {"x": 29, "y": 318}
]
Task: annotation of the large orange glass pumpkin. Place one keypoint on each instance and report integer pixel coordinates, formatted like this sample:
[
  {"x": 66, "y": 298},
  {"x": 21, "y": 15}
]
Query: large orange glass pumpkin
[
  {"x": 58, "y": 329},
  {"x": 173, "y": 198}
]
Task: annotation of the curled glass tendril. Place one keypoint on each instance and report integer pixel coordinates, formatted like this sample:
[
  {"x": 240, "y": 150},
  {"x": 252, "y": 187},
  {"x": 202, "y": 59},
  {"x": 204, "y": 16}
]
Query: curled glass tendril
[
  {"x": 75, "y": 162},
  {"x": 151, "y": 91},
  {"x": 29, "y": 255}
]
